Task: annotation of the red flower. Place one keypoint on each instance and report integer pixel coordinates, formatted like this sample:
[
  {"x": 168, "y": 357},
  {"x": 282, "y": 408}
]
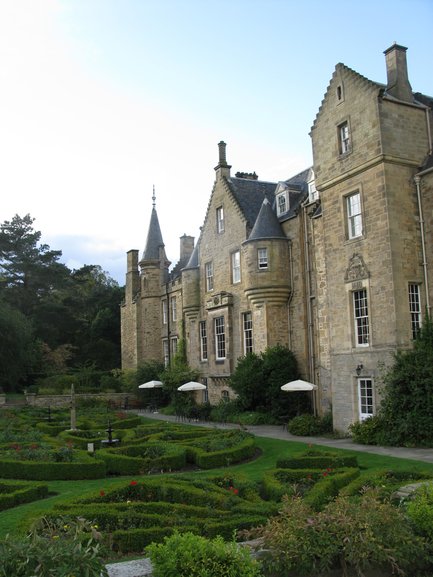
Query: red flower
[
  {"x": 133, "y": 483},
  {"x": 235, "y": 491},
  {"x": 102, "y": 493},
  {"x": 325, "y": 473}
]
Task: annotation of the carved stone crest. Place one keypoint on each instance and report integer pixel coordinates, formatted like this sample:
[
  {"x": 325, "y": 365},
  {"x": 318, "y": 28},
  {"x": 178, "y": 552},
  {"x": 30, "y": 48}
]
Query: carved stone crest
[{"x": 357, "y": 269}]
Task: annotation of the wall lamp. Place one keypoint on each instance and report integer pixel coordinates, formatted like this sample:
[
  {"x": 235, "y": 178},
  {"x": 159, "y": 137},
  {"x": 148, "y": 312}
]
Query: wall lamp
[{"x": 359, "y": 369}]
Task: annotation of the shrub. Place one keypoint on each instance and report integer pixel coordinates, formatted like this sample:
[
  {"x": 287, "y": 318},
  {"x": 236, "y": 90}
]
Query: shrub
[
  {"x": 190, "y": 555},
  {"x": 304, "y": 426},
  {"x": 63, "y": 547},
  {"x": 420, "y": 511},
  {"x": 355, "y": 535},
  {"x": 368, "y": 432}
]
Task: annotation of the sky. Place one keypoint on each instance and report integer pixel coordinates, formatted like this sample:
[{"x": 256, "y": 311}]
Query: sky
[{"x": 100, "y": 100}]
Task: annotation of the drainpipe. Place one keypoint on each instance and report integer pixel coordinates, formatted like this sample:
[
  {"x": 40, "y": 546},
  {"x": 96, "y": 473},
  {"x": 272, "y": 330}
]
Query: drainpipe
[
  {"x": 417, "y": 180},
  {"x": 167, "y": 296},
  {"x": 310, "y": 298},
  {"x": 291, "y": 293}
]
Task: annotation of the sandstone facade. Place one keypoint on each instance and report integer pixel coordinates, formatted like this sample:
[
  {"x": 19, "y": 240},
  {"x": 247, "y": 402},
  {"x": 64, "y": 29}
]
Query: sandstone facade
[{"x": 332, "y": 263}]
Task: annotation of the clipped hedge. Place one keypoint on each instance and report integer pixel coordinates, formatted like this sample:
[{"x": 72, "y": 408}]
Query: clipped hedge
[
  {"x": 328, "y": 488},
  {"x": 52, "y": 429},
  {"x": 118, "y": 463},
  {"x": 244, "y": 450},
  {"x": 322, "y": 461},
  {"x": 134, "y": 523},
  {"x": 129, "y": 423},
  {"x": 15, "y": 493},
  {"x": 85, "y": 468},
  {"x": 325, "y": 484},
  {"x": 383, "y": 479},
  {"x": 80, "y": 439},
  {"x": 135, "y": 540}
]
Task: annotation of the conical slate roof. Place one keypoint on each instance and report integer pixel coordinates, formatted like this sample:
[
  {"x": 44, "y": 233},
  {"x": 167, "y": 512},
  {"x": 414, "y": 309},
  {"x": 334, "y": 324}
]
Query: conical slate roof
[
  {"x": 154, "y": 238},
  {"x": 193, "y": 261},
  {"x": 267, "y": 224}
]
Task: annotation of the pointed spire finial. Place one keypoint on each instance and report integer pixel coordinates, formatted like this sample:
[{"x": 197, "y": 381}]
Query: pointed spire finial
[{"x": 153, "y": 197}]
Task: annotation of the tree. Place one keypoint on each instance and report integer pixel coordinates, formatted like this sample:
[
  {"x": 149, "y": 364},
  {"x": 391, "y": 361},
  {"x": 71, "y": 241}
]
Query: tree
[
  {"x": 280, "y": 367},
  {"x": 74, "y": 311},
  {"x": 18, "y": 347},
  {"x": 29, "y": 270},
  {"x": 257, "y": 379},
  {"x": 94, "y": 298},
  {"x": 176, "y": 374},
  {"x": 407, "y": 406},
  {"x": 247, "y": 381}
]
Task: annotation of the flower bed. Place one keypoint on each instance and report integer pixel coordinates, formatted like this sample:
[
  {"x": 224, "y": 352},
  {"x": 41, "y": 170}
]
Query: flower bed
[{"x": 140, "y": 512}]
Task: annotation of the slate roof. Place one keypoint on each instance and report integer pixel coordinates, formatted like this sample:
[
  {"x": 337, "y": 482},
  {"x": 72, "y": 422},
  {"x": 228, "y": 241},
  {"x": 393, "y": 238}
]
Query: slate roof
[
  {"x": 250, "y": 195},
  {"x": 154, "y": 238},
  {"x": 267, "y": 224},
  {"x": 193, "y": 261}
]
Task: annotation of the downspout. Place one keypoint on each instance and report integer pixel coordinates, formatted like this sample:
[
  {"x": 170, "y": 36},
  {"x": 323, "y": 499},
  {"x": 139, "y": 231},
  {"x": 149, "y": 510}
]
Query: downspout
[
  {"x": 291, "y": 293},
  {"x": 417, "y": 180},
  {"x": 168, "y": 324},
  {"x": 427, "y": 115},
  {"x": 310, "y": 298}
]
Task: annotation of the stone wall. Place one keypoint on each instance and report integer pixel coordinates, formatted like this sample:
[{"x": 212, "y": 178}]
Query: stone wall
[{"x": 119, "y": 400}]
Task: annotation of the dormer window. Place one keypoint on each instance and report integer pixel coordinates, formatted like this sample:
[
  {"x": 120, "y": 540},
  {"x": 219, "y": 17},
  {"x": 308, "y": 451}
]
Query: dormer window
[
  {"x": 282, "y": 198},
  {"x": 282, "y": 203}
]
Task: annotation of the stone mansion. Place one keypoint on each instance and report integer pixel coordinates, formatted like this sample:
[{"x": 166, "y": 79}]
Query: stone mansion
[{"x": 334, "y": 263}]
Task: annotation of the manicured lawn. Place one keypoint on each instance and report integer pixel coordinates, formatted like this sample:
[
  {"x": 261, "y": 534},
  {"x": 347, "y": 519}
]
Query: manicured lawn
[{"x": 11, "y": 520}]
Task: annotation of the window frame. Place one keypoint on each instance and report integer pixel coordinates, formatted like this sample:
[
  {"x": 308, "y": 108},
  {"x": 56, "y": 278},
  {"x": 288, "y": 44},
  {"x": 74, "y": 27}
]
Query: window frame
[
  {"x": 354, "y": 220},
  {"x": 220, "y": 225},
  {"x": 247, "y": 331},
  {"x": 236, "y": 266},
  {"x": 164, "y": 312},
  {"x": 361, "y": 317},
  {"x": 203, "y": 341},
  {"x": 220, "y": 338},
  {"x": 208, "y": 267},
  {"x": 284, "y": 197},
  {"x": 344, "y": 138},
  {"x": 415, "y": 311},
  {"x": 262, "y": 262},
  {"x": 174, "y": 342},
  {"x": 366, "y": 401},
  {"x": 173, "y": 305},
  {"x": 165, "y": 352}
]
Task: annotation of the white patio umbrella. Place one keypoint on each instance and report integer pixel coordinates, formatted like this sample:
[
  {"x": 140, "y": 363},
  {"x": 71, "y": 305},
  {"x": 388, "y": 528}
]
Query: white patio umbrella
[
  {"x": 298, "y": 385},
  {"x": 151, "y": 385},
  {"x": 192, "y": 386}
]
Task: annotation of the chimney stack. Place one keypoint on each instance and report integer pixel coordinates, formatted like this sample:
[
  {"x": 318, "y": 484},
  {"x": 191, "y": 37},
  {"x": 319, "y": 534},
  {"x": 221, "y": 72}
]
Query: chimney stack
[
  {"x": 398, "y": 84},
  {"x": 222, "y": 169},
  {"x": 186, "y": 247}
]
